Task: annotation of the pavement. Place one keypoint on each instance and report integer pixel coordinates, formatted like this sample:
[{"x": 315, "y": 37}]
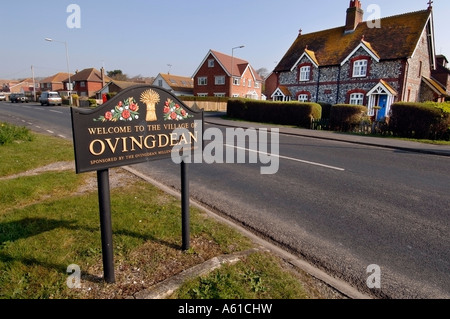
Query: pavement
[{"x": 392, "y": 143}]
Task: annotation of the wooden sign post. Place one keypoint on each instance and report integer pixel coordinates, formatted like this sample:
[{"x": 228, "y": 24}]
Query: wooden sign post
[{"x": 139, "y": 124}]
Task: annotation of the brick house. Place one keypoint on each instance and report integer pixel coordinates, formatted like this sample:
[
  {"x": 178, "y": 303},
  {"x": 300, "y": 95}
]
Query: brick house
[
  {"x": 222, "y": 75},
  {"x": 88, "y": 81},
  {"x": 362, "y": 63},
  {"x": 54, "y": 82}
]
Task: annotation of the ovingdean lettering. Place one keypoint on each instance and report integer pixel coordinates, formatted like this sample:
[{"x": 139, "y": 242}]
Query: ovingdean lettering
[{"x": 120, "y": 145}]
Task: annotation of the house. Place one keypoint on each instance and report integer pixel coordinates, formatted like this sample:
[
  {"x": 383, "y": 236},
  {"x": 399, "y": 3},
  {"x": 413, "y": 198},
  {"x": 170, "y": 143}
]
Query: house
[
  {"x": 442, "y": 73},
  {"x": 222, "y": 75},
  {"x": 115, "y": 87},
  {"x": 55, "y": 82},
  {"x": 178, "y": 85},
  {"x": 362, "y": 62},
  {"x": 88, "y": 81}
]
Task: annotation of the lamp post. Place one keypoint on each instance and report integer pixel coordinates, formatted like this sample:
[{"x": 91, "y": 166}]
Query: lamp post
[
  {"x": 232, "y": 67},
  {"x": 68, "y": 68}
]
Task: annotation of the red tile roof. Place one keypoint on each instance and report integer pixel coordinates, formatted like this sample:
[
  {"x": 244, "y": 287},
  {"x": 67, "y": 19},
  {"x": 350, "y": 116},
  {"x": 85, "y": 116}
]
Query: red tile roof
[
  {"x": 397, "y": 38},
  {"x": 239, "y": 65}
]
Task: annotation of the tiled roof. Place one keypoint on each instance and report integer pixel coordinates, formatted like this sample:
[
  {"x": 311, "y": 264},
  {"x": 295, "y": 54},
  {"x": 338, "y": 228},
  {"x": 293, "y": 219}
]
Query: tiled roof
[
  {"x": 397, "y": 38},
  {"x": 178, "y": 83},
  {"x": 91, "y": 75},
  {"x": 57, "y": 78},
  {"x": 234, "y": 64}
]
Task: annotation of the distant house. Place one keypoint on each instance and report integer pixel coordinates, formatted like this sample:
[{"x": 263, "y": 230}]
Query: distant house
[
  {"x": 222, "y": 75},
  {"x": 442, "y": 73},
  {"x": 88, "y": 81},
  {"x": 54, "y": 82},
  {"x": 360, "y": 63},
  {"x": 178, "y": 85},
  {"x": 115, "y": 87}
]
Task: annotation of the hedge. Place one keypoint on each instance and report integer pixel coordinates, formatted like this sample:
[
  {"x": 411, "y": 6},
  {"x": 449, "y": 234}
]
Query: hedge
[
  {"x": 283, "y": 113},
  {"x": 420, "y": 120},
  {"x": 344, "y": 117}
]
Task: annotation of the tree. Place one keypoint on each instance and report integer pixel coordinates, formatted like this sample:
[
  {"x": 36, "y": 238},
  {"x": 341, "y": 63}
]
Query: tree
[
  {"x": 263, "y": 73},
  {"x": 117, "y": 75}
]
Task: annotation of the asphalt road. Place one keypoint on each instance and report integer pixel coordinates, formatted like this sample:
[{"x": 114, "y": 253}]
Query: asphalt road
[{"x": 340, "y": 206}]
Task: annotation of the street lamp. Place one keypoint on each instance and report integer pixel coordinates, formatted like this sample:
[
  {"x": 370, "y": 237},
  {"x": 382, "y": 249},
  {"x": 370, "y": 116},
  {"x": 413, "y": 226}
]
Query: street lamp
[
  {"x": 232, "y": 66},
  {"x": 68, "y": 68}
]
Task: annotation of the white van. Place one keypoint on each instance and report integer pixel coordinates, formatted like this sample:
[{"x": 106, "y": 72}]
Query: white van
[{"x": 50, "y": 98}]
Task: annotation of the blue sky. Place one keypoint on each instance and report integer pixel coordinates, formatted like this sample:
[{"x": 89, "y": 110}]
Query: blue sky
[{"x": 144, "y": 37}]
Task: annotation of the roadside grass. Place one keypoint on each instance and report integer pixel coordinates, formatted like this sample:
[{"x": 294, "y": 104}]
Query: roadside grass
[{"x": 50, "y": 221}]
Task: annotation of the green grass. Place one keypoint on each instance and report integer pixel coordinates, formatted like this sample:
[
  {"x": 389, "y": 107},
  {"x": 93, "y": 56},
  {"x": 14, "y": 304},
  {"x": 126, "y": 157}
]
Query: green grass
[{"x": 47, "y": 224}]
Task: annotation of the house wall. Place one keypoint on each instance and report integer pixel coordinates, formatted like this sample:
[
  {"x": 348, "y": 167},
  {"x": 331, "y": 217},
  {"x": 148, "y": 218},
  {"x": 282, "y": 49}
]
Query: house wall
[
  {"x": 418, "y": 66},
  {"x": 334, "y": 84},
  {"x": 210, "y": 89}
]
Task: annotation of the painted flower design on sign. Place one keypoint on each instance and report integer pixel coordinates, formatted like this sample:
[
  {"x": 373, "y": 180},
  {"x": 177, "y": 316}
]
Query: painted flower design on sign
[
  {"x": 127, "y": 110},
  {"x": 174, "y": 112}
]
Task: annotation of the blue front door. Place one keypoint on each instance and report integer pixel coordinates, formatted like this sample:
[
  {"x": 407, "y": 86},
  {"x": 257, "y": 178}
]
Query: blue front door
[{"x": 382, "y": 102}]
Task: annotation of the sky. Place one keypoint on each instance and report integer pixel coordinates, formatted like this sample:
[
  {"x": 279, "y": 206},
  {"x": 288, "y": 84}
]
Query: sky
[{"x": 145, "y": 38}]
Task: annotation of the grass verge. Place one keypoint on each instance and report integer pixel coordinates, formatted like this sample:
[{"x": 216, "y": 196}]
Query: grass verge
[{"x": 50, "y": 220}]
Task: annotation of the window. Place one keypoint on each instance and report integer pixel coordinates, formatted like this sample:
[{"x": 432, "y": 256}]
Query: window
[
  {"x": 303, "y": 98},
  {"x": 249, "y": 83},
  {"x": 203, "y": 80},
  {"x": 160, "y": 83},
  {"x": 82, "y": 84},
  {"x": 219, "y": 94},
  {"x": 357, "y": 99},
  {"x": 236, "y": 81},
  {"x": 211, "y": 63},
  {"x": 220, "y": 80},
  {"x": 243, "y": 82},
  {"x": 305, "y": 72},
  {"x": 360, "y": 68},
  {"x": 256, "y": 85},
  {"x": 202, "y": 94}
]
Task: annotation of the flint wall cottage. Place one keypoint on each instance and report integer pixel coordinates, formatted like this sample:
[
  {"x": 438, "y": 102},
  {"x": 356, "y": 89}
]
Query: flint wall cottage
[{"x": 362, "y": 63}]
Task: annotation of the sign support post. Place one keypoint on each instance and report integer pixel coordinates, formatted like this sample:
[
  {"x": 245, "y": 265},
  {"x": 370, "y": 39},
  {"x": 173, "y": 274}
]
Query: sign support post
[
  {"x": 185, "y": 213},
  {"x": 106, "y": 225}
]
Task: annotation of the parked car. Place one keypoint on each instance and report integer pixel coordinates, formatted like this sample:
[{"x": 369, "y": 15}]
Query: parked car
[
  {"x": 18, "y": 98},
  {"x": 50, "y": 98},
  {"x": 2, "y": 97}
]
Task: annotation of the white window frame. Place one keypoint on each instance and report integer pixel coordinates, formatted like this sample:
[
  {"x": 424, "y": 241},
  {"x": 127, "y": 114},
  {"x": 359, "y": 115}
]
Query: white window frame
[
  {"x": 256, "y": 85},
  {"x": 357, "y": 99},
  {"x": 360, "y": 68},
  {"x": 202, "y": 81},
  {"x": 202, "y": 94},
  {"x": 236, "y": 81},
  {"x": 219, "y": 79},
  {"x": 219, "y": 94},
  {"x": 249, "y": 83},
  {"x": 210, "y": 63},
  {"x": 303, "y": 98},
  {"x": 305, "y": 73}
]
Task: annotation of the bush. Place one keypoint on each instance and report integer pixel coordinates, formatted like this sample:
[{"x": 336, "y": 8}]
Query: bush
[
  {"x": 344, "y": 117},
  {"x": 283, "y": 113},
  {"x": 10, "y": 133},
  {"x": 92, "y": 102},
  {"x": 420, "y": 120}
]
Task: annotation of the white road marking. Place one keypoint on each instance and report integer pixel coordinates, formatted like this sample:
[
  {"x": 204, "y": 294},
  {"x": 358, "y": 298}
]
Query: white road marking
[
  {"x": 290, "y": 158},
  {"x": 56, "y": 111}
]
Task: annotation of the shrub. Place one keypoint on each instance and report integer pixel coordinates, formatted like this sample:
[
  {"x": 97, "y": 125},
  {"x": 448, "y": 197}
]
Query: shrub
[
  {"x": 10, "y": 133},
  {"x": 92, "y": 103},
  {"x": 283, "y": 113},
  {"x": 420, "y": 120},
  {"x": 344, "y": 117}
]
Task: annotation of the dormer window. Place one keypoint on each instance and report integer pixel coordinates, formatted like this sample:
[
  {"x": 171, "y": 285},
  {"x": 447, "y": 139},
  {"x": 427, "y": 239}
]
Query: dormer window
[
  {"x": 305, "y": 73},
  {"x": 360, "y": 68}
]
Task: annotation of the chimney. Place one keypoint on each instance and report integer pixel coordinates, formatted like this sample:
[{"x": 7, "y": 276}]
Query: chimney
[
  {"x": 102, "y": 73},
  {"x": 355, "y": 16}
]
